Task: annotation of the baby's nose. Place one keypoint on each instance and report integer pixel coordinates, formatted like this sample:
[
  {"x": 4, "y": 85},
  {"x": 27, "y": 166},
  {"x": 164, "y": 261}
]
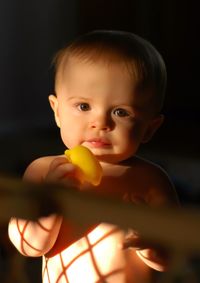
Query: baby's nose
[{"x": 102, "y": 122}]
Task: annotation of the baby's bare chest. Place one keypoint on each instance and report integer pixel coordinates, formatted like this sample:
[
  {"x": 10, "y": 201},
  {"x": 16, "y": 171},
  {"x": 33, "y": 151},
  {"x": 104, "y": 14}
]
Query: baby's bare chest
[
  {"x": 126, "y": 183},
  {"x": 97, "y": 257}
]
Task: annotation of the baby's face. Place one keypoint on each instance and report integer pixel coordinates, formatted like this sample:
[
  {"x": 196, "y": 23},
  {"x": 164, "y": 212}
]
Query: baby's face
[{"x": 97, "y": 106}]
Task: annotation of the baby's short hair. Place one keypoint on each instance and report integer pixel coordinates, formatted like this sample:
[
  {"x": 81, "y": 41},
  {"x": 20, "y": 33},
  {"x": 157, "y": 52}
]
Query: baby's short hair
[{"x": 140, "y": 56}]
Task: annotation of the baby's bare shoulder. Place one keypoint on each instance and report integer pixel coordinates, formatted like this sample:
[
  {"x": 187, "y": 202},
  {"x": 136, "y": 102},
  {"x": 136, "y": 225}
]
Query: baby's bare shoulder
[
  {"x": 38, "y": 168},
  {"x": 148, "y": 167},
  {"x": 154, "y": 182}
]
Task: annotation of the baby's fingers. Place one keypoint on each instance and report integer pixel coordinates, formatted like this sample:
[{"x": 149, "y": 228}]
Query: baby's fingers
[
  {"x": 57, "y": 162},
  {"x": 60, "y": 169}
]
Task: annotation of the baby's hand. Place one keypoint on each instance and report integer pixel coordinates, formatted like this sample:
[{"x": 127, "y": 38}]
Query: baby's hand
[
  {"x": 153, "y": 254},
  {"x": 132, "y": 240},
  {"x": 60, "y": 170},
  {"x": 79, "y": 165}
]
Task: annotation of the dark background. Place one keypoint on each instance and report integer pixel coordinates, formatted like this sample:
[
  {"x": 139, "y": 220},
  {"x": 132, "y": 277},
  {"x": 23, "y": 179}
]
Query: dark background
[{"x": 32, "y": 31}]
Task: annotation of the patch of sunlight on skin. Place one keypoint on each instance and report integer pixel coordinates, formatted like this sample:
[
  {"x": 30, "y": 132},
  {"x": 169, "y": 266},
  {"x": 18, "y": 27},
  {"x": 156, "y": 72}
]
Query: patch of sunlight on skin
[{"x": 91, "y": 258}]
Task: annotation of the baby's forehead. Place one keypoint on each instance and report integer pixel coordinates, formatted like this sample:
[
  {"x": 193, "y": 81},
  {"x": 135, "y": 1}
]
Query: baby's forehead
[
  {"x": 108, "y": 65},
  {"x": 103, "y": 63},
  {"x": 78, "y": 67},
  {"x": 114, "y": 74}
]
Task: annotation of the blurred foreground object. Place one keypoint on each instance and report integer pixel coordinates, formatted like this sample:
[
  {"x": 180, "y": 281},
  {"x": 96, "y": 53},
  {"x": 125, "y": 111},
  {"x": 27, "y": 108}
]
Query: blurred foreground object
[{"x": 179, "y": 229}]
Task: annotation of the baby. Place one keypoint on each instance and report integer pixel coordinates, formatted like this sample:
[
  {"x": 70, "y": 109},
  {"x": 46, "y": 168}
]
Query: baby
[{"x": 109, "y": 91}]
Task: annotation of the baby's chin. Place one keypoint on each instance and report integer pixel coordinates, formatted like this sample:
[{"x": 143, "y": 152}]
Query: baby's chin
[{"x": 111, "y": 158}]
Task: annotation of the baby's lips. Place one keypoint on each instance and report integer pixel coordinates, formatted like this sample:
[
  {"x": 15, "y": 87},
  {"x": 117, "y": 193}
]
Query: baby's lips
[{"x": 90, "y": 168}]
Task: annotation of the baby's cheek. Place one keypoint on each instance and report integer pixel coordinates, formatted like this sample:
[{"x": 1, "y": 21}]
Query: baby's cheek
[{"x": 68, "y": 138}]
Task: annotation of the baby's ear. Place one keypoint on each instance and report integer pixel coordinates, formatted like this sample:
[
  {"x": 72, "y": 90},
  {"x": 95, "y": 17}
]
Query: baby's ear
[
  {"x": 152, "y": 128},
  {"x": 54, "y": 105}
]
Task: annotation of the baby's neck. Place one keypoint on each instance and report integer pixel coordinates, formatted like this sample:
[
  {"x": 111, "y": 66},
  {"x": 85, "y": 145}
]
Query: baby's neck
[{"x": 121, "y": 163}]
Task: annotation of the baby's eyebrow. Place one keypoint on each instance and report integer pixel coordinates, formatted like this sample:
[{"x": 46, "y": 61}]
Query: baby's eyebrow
[{"x": 78, "y": 98}]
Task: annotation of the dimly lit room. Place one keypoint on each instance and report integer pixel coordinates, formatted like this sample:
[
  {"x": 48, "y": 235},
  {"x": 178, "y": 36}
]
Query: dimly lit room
[{"x": 31, "y": 34}]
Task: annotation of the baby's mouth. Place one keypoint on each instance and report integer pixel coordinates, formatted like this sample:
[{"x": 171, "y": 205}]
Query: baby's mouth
[{"x": 98, "y": 143}]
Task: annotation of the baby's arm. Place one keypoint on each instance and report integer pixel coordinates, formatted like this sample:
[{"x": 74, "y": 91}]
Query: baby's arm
[
  {"x": 161, "y": 193},
  {"x": 36, "y": 238}
]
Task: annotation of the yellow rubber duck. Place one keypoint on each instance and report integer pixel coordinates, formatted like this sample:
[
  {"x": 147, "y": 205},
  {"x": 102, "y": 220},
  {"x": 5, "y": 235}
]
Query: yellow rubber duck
[{"x": 90, "y": 168}]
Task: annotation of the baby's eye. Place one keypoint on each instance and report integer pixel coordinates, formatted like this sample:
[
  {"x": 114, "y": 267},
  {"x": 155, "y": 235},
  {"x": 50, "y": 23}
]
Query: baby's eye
[
  {"x": 121, "y": 112},
  {"x": 83, "y": 106}
]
